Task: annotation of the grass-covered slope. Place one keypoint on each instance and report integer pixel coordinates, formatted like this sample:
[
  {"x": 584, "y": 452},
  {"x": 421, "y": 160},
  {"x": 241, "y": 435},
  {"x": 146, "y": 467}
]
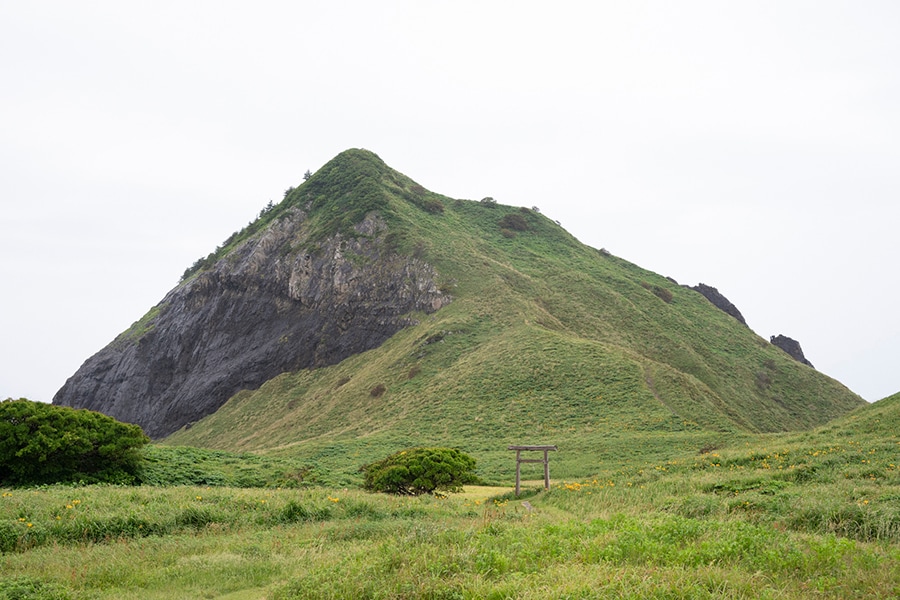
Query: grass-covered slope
[
  {"x": 546, "y": 341},
  {"x": 811, "y": 514}
]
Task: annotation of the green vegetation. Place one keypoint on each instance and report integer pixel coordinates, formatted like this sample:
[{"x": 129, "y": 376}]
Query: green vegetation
[
  {"x": 169, "y": 465},
  {"x": 546, "y": 341},
  {"x": 23, "y": 588},
  {"x": 41, "y": 443},
  {"x": 660, "y": 292},
  {"x": 337, "y": 197},
  {"x": 800, "y": 515},
  {"x": 142, "y": 326},
  {"x": 342, "y": 193},
  {"x": 514, "y": 221},
  {"x": 695, "y": 459},
  {"x": 418, "y": 471}
]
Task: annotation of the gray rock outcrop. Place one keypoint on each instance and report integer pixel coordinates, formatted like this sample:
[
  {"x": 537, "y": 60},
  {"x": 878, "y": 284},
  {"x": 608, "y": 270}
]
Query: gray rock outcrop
[
  {"x": 719, "y": 301},
  {"x": 275, "y": 303},
  {"x": 791, "y": 346}
]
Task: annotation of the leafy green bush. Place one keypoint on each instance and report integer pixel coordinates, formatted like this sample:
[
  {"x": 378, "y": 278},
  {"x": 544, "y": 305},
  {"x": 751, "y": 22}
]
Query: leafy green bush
[
  {"x": 514, "y": 221},
  {"x": 419, "y": 471},
  {"x": 41, "y": 443}
]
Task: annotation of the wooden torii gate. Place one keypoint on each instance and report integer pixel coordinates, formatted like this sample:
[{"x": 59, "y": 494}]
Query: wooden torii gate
[{"x": 520, "y": 460}]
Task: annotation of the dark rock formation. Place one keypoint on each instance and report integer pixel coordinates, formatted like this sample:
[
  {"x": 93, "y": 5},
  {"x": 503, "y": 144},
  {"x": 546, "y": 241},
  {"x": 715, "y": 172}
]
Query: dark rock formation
[
  {"x": 719, "y": 301},
  {"x": 791, "y": 346},
  {"x": 275, "y": 303}
]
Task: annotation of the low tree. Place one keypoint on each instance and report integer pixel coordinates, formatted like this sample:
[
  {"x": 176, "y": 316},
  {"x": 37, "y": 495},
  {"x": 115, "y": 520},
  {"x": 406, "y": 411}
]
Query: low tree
[
  {"x": 419, "y": 471},
  {"x": 42, "y": 443}
]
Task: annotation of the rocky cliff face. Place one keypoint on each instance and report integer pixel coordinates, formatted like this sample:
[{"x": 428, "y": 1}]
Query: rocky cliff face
[
  {"x": 719, "y": 301},
  {"x": 275, "y": 303},
  {"x": 791, "y": 346}
]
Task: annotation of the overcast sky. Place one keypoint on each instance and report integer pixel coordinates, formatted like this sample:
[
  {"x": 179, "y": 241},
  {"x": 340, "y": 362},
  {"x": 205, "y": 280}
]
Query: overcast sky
[{"x": 751, "y": 146}]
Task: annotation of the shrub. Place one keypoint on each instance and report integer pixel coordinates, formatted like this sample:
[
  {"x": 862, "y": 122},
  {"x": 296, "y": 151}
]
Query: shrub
[
  {"x": 433, "y": 206},
  {"x": 294, "y": 512},
  {"x": 660, "y": 292},
  {"x": 41, "y": 443},
  {"x": 416, "y": 195},
  {"x": 515, "y": 222},
  {"x": 419, "y": 471}
]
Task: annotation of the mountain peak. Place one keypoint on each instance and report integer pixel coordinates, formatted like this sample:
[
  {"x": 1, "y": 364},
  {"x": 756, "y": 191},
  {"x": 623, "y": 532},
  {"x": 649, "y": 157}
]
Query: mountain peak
[
  {"x": 364, "y": 302},
  {"x": 309, "y": 283}
]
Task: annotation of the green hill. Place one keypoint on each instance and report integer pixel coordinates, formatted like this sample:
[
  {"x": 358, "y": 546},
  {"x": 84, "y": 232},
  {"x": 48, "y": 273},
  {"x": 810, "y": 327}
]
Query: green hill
[{"x": 546, "y": 340}]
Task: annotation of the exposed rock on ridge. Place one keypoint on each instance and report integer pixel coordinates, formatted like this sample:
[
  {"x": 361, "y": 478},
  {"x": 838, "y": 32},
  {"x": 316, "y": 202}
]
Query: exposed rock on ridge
[
  {"x": 719, "y": 301},
  {"x": 270, "y": 305},
  {"x": 792, "y": 347}
]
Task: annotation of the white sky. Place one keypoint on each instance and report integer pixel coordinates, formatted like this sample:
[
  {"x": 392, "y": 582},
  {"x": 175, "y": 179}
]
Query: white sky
[{"x": 750, "y": 146}]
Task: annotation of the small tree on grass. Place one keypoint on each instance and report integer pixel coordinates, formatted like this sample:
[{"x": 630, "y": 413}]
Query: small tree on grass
[
  {"x": 419, "y": 471},
  {"x": 41, "y": 443}
]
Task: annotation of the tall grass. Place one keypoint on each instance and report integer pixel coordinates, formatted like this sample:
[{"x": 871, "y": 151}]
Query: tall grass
[
  {"x": 348, "y": 544},
  {"x": 810, "y": 515}
]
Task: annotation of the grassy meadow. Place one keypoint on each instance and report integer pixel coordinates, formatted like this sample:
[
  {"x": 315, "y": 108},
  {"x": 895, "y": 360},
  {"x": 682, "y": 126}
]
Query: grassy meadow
[{"x": 804, "y": 515}]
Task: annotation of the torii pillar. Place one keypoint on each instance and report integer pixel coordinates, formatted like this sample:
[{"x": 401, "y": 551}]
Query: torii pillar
[{"x": 520, "y": 460}]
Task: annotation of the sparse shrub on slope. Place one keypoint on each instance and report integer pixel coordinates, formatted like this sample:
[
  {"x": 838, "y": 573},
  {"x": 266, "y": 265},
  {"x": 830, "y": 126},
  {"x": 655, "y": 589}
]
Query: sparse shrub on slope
[
  {"x": 42, "y": 443},
  {"x": 660, "y": 292},
  {"x": 514, "y": 222},
  {"x": 420, "y": 471}
]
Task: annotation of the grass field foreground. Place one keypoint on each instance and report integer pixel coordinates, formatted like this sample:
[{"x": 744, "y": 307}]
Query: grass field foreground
[{"x": 793, "y": 522}]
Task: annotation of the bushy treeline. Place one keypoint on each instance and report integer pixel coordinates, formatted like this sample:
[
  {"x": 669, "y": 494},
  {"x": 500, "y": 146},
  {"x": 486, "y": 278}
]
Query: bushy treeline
[{"x": 42, "y": 443}]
